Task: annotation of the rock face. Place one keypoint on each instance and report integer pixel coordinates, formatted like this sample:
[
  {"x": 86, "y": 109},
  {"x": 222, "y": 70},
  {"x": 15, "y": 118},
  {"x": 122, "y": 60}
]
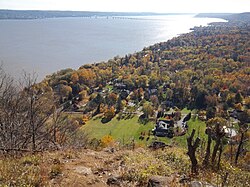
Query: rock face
[
  {"x": 200, "y": 184},
  {"x": 83, "y": 170},
  {"x": 160, "y": 181},
  {"x": 113, "y": 181},
  {"x": 196, "y": 184}
]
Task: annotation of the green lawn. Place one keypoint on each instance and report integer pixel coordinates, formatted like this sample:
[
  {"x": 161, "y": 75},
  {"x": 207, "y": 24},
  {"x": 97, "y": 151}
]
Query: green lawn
[
  {"x": 126, "y": 130},
  {"x": 122, "y": 130},
  {"x": 185, "y": 111},
  {"x": 200, "y": 128}
]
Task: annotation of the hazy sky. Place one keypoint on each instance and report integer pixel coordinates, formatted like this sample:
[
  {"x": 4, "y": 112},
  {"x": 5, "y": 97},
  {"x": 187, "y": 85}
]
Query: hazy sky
[{"x": 187, "y": 6}]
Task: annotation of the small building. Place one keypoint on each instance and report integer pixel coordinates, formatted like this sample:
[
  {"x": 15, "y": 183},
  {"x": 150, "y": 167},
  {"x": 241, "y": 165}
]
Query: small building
[
  {"x": 120, "y": 86},
  {"x": 164, "y": 128}
]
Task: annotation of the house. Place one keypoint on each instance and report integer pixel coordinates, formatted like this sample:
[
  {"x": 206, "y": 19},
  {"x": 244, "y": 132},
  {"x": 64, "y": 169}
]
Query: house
[
  {"x": 152, "y": 91},
  {"x": 120, "y": 86},
  {"x": 166, "y": 104},
  {"x": 240, "y": 115},
  {"x": 164, "y": 128},
  {"x": 230, "y": 132},
  {"x": 124, "y": 93}
]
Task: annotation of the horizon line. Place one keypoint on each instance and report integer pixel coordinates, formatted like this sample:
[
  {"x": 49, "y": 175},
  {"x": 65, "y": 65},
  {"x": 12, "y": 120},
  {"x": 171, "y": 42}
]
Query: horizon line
[{"x": 48, "y": 10}]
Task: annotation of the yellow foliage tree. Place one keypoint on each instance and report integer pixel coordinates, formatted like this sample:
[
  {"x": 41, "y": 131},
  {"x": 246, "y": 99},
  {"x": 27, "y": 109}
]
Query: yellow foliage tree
[
  {"x": 83, "y": 94},
  {"x": 109, "y": 113},
  {"x": 65, "y": 90},
  {"x": 107, "y": 140},
  {"x": 238, "y": 106},
  {"x": 87, "y": 76},
  {"x": 75, "y": 77},
  {"x": 85, "y": 118}
]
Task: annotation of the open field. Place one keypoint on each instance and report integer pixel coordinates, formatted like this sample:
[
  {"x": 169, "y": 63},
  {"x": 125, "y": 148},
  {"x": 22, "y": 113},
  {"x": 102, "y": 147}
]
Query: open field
[{"x": 126, "y": 130}]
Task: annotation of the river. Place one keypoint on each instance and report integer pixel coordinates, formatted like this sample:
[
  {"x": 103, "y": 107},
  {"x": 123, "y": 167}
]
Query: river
[{"x": 45, "y": 46}]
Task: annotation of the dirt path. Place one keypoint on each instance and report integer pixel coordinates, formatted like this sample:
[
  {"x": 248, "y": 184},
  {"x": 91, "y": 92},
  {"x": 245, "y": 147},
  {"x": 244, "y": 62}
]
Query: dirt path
[{"x": 87, "y": 168}]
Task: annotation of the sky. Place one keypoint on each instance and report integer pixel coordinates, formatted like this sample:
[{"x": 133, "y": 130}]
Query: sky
[{"x": 162, "y": 6}]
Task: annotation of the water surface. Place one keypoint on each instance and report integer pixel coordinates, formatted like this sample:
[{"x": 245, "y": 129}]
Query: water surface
[{"x": 45, "y": 46}]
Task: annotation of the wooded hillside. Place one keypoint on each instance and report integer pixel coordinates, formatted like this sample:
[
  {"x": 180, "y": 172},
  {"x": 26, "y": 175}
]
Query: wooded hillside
[{"x": 205, "y": 69}]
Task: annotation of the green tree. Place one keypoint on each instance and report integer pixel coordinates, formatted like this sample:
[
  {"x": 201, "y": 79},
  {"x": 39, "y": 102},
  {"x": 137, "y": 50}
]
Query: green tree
[{"x": 238, "y": 98}]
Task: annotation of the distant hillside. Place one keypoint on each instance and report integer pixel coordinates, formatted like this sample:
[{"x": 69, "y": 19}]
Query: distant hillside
[
  {"x": 228, "y": 16},
  {"x": 38, "y": 14},
  {"x": 214, "y": 15},
  {"x": 240, "y": 17}
]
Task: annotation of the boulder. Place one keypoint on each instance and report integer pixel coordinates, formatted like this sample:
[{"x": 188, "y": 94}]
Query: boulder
[
  {"x": 160, "y": 181},
  {"x": 114, "y": 181},
  {"x": 83, "y": 170},
  {"x": 196, "y": 184},
  {"x": 200, "y": 184}
]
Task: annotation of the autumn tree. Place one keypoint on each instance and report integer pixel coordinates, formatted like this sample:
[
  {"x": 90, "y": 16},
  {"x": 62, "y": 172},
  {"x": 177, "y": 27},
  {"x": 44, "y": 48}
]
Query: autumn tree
[
  {"x": 154, "y": 99},
  {"x": 74, "y": 77},
  {"x": 109, "y": 113},
  {"x": 87, "y": 77},
  {"x": 147, "y": 109},
  {"x": 65, "y": 90},
  {"x": 107, "y": 140},
  {"x": 247, "y": 102},
  {"x": 76, "y": 89},
  {"x": 112, "y": 99},
  {"x": 238, "y": 98},
  {"x": 119, "y": 105}
]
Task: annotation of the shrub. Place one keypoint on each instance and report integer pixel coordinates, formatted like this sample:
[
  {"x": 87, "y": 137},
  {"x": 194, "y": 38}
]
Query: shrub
[
  {"x": 107, "y": 140},
  {"x": 55, "y": 171},
  {"x": 21, "y": 172}
]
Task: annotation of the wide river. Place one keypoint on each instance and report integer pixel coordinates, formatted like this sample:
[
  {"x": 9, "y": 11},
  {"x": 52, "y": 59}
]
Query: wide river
[{"x": 45, "y": 46}]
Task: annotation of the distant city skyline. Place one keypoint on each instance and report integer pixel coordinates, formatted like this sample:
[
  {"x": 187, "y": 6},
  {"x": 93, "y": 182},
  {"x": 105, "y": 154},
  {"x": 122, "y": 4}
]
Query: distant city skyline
[{"x": 160, "y": 6}]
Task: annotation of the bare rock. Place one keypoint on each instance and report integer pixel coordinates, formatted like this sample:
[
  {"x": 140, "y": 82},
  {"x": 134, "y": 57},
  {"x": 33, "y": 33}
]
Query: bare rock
[
  {"x": 196, "y": 184},
  {"x": 200, "y": 184},
  {"x": 184, "y": 179},
  {"x": 160, "y": 181},
  {"x": 114, "y": 181},
  {"x": 83, "y": 170},
  {"x": 109, "y": 150}
]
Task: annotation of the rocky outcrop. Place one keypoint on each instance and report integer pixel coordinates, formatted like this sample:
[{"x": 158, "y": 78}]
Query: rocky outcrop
[{"x": 161, "y": 181}]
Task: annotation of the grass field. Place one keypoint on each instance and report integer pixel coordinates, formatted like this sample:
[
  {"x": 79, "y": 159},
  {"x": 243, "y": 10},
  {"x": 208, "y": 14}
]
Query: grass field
[
  {"x": 126, "y": 130},
  {"x": 121, "y": 130},
  {"x": 196, "y": 124}
]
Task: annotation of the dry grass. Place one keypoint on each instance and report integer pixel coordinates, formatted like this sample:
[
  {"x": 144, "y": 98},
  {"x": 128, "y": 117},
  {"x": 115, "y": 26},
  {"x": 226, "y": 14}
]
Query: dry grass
[{"x": 134, "y": 167}]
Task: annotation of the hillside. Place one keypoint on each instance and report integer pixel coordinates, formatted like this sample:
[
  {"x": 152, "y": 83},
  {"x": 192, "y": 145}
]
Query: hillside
[
  {"x": 204, "y": 69},
  {"x": 93, "y": 126},
  {"x": 118, "y": 167},
  {"x": 227, "y": 16}
]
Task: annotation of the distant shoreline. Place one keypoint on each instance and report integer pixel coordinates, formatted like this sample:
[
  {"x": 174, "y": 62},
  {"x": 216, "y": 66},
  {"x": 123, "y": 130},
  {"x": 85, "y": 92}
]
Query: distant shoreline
[{"x": 43, "y": 14}]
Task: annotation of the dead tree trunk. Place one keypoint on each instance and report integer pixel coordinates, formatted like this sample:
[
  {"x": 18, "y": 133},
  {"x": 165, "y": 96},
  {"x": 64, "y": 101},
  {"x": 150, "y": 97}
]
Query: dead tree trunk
[
  {"x": 208, "y": 149},
  {"x": 219, "y": 159},
  {"x": 32, "y": 123},
  {"x": 239, "y": 148},
  {"x": 216, "y": 148},
  {"x": 192, "y": 149},
  {"x": 224, "y": 179}
]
